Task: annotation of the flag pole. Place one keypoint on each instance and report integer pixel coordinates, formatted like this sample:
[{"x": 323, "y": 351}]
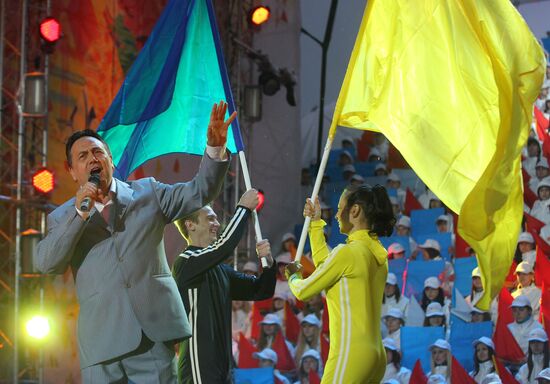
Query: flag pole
[
  {"x": 315, "y": 193},
  {"x": 248, "y": 185}
]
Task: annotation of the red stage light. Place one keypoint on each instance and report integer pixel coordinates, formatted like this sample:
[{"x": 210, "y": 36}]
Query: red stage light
[
  {"x": 43, "y": 181},
  {"x": 261, "y": 200},
  {"x": 50, "y": 30},
  {"x": 259, "y": 15}
]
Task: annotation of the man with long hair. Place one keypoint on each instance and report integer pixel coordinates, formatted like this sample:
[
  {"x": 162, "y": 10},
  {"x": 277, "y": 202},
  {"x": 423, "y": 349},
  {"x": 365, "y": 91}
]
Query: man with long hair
[{"x": 358, "y": 270}]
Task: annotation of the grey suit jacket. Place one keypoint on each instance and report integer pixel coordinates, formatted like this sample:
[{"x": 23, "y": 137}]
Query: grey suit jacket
[{"x": 123, "y": 281}]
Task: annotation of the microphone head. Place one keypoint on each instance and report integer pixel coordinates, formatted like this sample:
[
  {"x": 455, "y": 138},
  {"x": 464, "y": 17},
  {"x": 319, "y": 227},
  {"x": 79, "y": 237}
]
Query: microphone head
[{"x": 94, "y": 176}]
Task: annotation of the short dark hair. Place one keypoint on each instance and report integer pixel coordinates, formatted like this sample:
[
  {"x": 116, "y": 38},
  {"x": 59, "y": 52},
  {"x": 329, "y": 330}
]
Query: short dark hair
[
  {"x": 376, "y": 205},
  {"x": 78, "y": 135},
  {"x": 180, "y": 223}
]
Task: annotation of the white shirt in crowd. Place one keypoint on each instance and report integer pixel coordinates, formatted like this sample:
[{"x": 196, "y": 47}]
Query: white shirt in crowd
[
  {"x": 521, "y": 332},
  {"x": 533, "y": 293},
  {"x": 440, "y": 370},
  {"x": 541, "y": 211},
  {"x": 523, "y": 372},
  {"x": 403, "y": 375},
  {"x": 402, "y": 305},
  {"x": 484, "y": 369}
]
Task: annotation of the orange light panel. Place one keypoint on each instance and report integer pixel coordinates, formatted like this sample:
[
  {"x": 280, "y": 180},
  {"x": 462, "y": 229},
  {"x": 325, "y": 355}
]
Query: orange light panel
[
  {"x": 43, "y": 181},
  {"x": 50, "y": 29},
  {"x": 260, "y": 15}
]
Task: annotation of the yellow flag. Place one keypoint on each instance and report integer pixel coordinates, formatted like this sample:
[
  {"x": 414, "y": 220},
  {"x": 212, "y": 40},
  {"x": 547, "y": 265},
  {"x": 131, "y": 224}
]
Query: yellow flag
[{"x": 451, "y": 84}]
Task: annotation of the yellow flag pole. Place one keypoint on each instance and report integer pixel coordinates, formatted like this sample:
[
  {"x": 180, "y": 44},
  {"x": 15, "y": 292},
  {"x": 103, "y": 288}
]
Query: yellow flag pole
[{"x": 315, "y": 193}]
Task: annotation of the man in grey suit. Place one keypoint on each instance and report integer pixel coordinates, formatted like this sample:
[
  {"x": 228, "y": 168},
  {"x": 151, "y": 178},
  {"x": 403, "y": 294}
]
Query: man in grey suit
[{"x": 130, "y": 308}]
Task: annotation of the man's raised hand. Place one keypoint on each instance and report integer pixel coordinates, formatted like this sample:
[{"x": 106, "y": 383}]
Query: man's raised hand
[{"x": 217, "y": 128}]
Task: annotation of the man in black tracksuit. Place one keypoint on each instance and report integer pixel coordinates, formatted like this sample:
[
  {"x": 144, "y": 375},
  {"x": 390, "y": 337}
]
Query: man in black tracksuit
[{"x": 207, "y": 287}]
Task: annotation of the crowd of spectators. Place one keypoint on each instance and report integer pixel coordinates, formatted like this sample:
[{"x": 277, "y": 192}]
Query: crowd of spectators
[{"x": 430, "y": 323}]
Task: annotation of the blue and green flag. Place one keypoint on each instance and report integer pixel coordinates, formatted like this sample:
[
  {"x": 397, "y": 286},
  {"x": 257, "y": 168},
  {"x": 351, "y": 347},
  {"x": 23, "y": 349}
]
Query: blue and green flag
[{"x": 164, "y": 104}]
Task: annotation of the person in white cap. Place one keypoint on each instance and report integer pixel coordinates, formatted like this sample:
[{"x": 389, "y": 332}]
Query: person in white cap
[
  {"x": 281, "y": 285},
  {"x": 403, "y": 228},
  {"x": 345, "y": 158},
  {"x": 443, "y": 224},
  {"x": 278, "y": 301},
  {"x": 433, "y": 292},
  {"x": 309, "y": 361},
  {"x": 537, "y": 357},
  {"x": 250, "y": 268},
  {"x": 309, "y": 337},
  {"x": 396, "y": 251},
  {"x": 394, "y": 370},
  {"x": 269, "y": 327},
  {"x": 348, "y": 171},
  {"x": 395, "y": 205},
  {"x": 431, "y": 250},
  {"x": 268, "y": 359},
  {"x": 484, "y": 350},
  {"x": 544, "y": 376},
  {"x": 392, "y": 294},
  {"x": 526, "y": 286},
  {"x": 382, "y": 145},
  {"x": 440, "y": 361},
  {"x": 526, "y": 249},
  {"x": 380, "y": 170},
  {"x": 394, "y": 321},
  {"x": 425, "y": 197},
  {"x": 532, "y": 156},
  {"x": 543, "y": 95},
  {"x": 542, "y": 170},
  {"x": 523, "y": 322},
  {"x": 477, "y": 287},
  {"x": 356, "y": 180},
  {"x": 374, "y": 156},
  {"x": 479, "y": 316},
  {"x": 541, "y": 210},
  {"x": 435, "y": 317},
  {"x": 394, "y": 182}
]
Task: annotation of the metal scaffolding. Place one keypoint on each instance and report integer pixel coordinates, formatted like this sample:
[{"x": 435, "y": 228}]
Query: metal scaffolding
[{"x": 23, "y": 148}]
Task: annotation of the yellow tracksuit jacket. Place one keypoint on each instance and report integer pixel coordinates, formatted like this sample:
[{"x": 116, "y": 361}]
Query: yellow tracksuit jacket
[{"x": 354, "y": 277}]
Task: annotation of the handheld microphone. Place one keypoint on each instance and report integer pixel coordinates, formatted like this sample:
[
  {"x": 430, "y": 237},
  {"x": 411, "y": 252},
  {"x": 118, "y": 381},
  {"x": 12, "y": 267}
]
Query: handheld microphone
[{"x": 86, "y": 203}]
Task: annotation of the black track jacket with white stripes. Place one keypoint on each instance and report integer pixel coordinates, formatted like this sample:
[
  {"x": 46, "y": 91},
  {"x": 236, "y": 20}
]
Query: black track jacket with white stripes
[{"x": 207, "y": 287}]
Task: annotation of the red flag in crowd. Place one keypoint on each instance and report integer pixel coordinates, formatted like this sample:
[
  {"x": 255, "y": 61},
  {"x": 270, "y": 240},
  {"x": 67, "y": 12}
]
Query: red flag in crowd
[
  {"x": 246, "y": 353},
  {"x": 325, "y": 346},
  {"x": 417, "y": 375},
  {"x": 533, "y": 225},
  {"x": 313, "y": 377},
  {"x": 529, "y": 197},
  {"x": 542, "y": 271},
  {"x": 506, "y": 346},
  {"x": 325, "y": 319},
  {"x": 255, "y": 318},
  {"x": 292, "y": 324},
  {"x": 542, "y": 124},
  {"x": 545, "y": 307},
  {"x": 459, "y": 374},
  {"x": 411, "y": 203},
  {"x": 503, "y": 373},
  {"x": 285, "y": 361}
]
